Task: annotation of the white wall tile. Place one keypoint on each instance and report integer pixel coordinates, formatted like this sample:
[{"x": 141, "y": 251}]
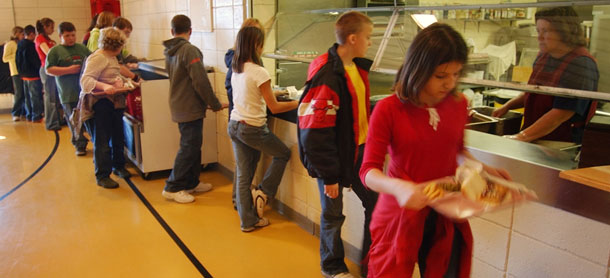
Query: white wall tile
[
  {"x": 502, "y": 217},
  {"x": 532, "y": 258},
  {"x": 490, "y": 242},
  {"x": 481, "y": 269},
  {"x": 576, "y": 234},
  {"x": 208, "y": 41},
  {"x": 224, "y": 39}
]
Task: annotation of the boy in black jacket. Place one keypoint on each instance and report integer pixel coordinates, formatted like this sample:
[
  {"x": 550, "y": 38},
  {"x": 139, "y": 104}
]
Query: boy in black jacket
[
  {"x": 332, "y": 124},
  {"x": 28, "y": 65}
]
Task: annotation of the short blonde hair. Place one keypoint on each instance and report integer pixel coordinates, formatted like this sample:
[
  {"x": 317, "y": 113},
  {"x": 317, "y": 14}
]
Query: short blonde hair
[
  {"x": 111, "y": 38},
  {"x": 350, "y": 23}
]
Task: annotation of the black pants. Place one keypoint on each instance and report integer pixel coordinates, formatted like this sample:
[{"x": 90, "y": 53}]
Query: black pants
[
  {"x": 369, "y": 199},
  {"x": 424, "y": 249}
]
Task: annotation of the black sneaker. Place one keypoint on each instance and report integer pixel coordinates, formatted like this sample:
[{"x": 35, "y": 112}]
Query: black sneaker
[
  {"x": 122, "y": 173},
  {"x": 107, "y": 182},
  {"x": 81, "y": 151}
]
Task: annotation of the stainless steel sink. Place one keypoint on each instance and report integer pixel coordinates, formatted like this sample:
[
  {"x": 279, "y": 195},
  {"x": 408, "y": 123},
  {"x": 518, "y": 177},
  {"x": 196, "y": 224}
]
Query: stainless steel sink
[{"x": 480, "y": 119}]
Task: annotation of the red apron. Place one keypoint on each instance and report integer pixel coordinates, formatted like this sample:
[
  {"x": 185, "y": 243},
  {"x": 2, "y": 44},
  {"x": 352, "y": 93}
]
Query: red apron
[{"x": 536, "y": 105}]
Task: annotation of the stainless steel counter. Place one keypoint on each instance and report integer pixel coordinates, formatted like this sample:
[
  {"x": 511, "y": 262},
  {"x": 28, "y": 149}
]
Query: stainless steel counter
[{"x": 538, "y": 167}]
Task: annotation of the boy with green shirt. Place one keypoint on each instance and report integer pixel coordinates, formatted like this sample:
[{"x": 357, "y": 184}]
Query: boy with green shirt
[{"x": 64, "y": 61}]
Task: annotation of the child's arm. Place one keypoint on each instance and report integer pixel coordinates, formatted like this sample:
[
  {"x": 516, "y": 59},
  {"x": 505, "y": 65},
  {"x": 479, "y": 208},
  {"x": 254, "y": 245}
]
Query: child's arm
[
  {"x": 59, "y": 71},
  {"x": 407, "y": 194},
  {"x": 199, "y": 78},
  {"x": 274, "y": 105},
  {"x": 491, "y": 170}
]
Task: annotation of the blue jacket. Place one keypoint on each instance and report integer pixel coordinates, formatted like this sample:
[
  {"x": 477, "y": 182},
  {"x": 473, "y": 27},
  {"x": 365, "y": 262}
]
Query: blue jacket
[{"x": 28, "y": 63}]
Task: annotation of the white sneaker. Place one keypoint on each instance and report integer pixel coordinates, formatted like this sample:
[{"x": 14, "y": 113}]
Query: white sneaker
[
  {"x": 180, "y": 196},
  {"x": 261, "y": 223},
  {"x": 16, "y": 118},
  {"x": 338, "y": 275},
  {"x": 260, "y": 200},
  {"x": 201, "y": 187}
]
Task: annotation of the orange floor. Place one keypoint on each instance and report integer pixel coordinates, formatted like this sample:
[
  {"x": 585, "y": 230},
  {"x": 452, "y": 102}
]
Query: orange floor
[{"x": 60, "y": 223}]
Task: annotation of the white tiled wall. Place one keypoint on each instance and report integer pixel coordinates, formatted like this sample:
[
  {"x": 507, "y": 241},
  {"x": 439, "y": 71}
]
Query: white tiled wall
[{"x": 28, "y": 11}]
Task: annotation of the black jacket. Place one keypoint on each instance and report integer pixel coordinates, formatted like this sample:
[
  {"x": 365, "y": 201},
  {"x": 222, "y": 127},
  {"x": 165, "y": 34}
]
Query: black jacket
[
  {"x": 28, "y": 63},
  {"x": 328, "y": 119}
]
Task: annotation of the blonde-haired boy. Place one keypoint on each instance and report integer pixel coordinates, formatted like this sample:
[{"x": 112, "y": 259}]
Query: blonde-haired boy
[{"x": 332, "y": 124}]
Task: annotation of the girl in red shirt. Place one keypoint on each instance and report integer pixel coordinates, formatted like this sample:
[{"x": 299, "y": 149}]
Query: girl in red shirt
[
  {"x": 52, "y": 104},
  {"x": 421, "y": 126}
]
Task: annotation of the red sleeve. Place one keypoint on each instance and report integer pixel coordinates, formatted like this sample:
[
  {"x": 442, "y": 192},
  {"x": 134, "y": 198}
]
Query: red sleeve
[{"x": 378, "y": 138}]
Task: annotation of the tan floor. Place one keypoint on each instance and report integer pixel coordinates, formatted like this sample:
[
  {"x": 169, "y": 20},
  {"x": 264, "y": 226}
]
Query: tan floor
[{"x": 60, "y": 224}]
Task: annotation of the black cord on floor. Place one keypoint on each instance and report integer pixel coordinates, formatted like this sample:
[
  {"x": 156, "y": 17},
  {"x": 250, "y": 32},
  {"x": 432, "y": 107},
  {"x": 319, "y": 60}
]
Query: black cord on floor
[
  {"x": 37, "y": 170},
  {"x": 169, "y": 231}
]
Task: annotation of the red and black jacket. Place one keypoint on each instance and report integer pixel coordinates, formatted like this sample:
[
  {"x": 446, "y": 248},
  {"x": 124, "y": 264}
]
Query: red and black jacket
[{"x": 328, "y": 119}]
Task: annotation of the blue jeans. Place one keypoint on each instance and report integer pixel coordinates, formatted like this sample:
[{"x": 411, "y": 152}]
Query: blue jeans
[
  {"x": 52, "y": 104},
  {"x": 187, "y": 166},
  {"x": 78, "y": 139},
  {"x": 107, "y": 134},
  {"x": 19, "y": 98},
  {"x": 331, "y": 219},
  {"x": 33, "y": 106},
  {"x": 248, "y": 143}
]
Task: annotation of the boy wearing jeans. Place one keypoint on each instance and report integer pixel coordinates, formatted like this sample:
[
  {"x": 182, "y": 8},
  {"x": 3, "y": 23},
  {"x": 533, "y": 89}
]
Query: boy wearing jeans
[
  {"x": 190, "y": 96},
  {"x": 64, "y": 61},
  {"x": 332, "y": 125},
  {"x": 28, "y": 65}
]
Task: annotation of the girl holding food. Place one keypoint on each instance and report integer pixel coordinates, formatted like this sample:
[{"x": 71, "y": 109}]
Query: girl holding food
[{"x": 421, "y": 126}]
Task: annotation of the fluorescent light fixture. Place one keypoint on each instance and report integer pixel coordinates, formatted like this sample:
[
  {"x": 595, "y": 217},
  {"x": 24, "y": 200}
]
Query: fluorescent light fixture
[{"x": 424, "y": 20}]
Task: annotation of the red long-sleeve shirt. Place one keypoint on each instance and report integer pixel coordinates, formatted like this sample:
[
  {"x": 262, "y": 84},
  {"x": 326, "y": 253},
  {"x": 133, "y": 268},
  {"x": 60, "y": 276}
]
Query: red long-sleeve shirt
[{"x": 418, "y": 153}]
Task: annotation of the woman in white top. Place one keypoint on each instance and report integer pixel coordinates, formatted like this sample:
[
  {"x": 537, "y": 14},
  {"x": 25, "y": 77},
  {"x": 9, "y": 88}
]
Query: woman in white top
[
  {"x": 10, "y": 52},
  {"x": 248, "y": 129}
]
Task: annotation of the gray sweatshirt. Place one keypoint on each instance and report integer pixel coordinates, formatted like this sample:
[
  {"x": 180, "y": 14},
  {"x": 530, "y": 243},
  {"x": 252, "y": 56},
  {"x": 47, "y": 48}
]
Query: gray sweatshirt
[{"x": 190, "y": 89}]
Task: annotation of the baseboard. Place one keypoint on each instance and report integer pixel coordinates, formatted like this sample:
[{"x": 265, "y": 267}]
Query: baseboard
[{"x": 351, "y": 251}]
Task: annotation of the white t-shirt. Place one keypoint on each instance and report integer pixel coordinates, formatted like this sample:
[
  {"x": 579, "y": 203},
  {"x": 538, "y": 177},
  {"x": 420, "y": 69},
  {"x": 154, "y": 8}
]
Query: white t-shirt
[{"x": 248, "y": 102}]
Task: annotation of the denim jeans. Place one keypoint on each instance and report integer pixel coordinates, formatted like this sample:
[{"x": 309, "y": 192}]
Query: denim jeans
[
  {"x": 331, "y": 246},
  {"x": 187, "y": 166},
  {"x": 51, "y": 101},
  {"x": 34, "y": 107},
  {"x": 78, "y": 139},
  {"x": 248, "y": 143},
  {"x": 19, "y": 97},
  {"x": 107, "y": 134}
]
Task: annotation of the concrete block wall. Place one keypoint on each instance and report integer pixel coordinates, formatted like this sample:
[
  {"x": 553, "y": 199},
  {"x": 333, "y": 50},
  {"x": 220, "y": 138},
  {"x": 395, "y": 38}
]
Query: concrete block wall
[{"x": 28, "y": 11}]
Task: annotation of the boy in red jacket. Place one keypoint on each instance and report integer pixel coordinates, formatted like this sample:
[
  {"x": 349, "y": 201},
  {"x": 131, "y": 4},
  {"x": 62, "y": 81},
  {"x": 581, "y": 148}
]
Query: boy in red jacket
[{"x": 332, "y": 126}]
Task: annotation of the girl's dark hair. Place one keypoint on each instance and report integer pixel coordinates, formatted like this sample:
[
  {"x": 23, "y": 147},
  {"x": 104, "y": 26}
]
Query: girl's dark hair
[
  {"x": 435, "y": 45},
  {"x": 66, "y": 27},
  {"x": 29, "y": 29},
  {"x": 41, "y": 24},
  {"x": 249, "y": 39},
  {"x": 566, "y": 23},
  {"x": 16, "y": 30},
  {"x": 93, "y": 22}
]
